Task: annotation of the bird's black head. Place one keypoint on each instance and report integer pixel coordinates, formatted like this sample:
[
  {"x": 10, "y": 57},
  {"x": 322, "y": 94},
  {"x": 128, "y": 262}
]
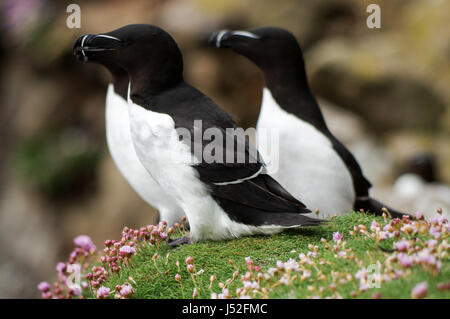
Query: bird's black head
[
  {"x": 267, "y": 47},
  {"x": 424, "y": 165},
  {"x": 145, "y": 51},
  {"x": 86, "y": 52}
]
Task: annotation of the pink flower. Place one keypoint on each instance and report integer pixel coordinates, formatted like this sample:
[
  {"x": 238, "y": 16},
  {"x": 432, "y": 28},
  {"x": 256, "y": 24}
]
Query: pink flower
[
  {"x": 283, "y": 280},
  {"x": 195, "y": 293},
  {"x": 383, "y": 235},
  {"x": 46, "y": 295},
  {"x": 126, "y": 251},
  {"x": 402, "y": 245},
  {"x": 337, "y": 237},
  {"x": 60, "y": 267},
  {"x": 432, "y": 243},
  {"x": 84, "y": 242},
  {"x": 363, "y": 286},
  {"x": 162, "y": 235},
  {"x": 291, "y": 264},
  {"x": 189, "y": 260},
  {"x": 435, "y": 231},
  {"x": 405, "y": 260},
  {"x": 361, "y": 274},
  {"x": 374, "y": 225},
  {"x": 126, "y": 290},
  {"x": 43, "y": 286},
  {"x": 103, "y": 292},
  {"x": 419, "y": 215},
  {"x": 272, "y": 271},
  {"x": 190, "y": 268},
  {"x": 76, "y": 291},
  {"x": 249, "y": 262},
  {"x": 420, "y": 290}
]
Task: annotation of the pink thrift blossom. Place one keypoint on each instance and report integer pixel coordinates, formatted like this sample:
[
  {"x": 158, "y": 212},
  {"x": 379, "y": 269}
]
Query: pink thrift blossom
[
  {"x": 337, "y": 237},
  {"x": 272, "y": 271},
  {"x": 126, "y": 290},
  {"x": 432, "y": 243},
  {"x": 420, "y": 290},
  {"x": 291, "y": 264},
  {"x": 361, "y": 274},
  {"x": 84, "y": 242},
  {"x": 383, "y": 235},
  {"x": 405, "y": 260},
  {"x": 249, "y": 262},
  {"x": 103, "y": 292},
  {"x": 363, "y": 286},
  {"x": 284, "y": 281},
  {"x": 46, "y": 295},
  {"x": 44, "y": 286},
  {"x": 60, "y": 267},
  {"x": 374, "y": 225},
  {"x": 402, "y": 245},
  {"x": 163, "y": 236},
  {"x": 76, "y": 290},
  {"x": 126, "y": 251},
  {"x": 435, "y": 231}
]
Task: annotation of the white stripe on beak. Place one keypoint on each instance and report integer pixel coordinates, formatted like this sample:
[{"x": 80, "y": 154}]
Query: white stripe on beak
[
  {"x": 246, "y": 34},
  {"x": 107, "y": 37},
  {"x": 82, "y": 44},
  {"x": 219, "y": 37}
]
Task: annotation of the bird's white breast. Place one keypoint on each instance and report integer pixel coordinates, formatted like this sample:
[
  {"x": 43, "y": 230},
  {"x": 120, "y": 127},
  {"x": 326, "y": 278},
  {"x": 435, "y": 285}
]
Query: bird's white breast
[
  {"x": 122, "y": 150},
  {"x": 170, "y": 162},
  {"x": 309, "y": 168}
]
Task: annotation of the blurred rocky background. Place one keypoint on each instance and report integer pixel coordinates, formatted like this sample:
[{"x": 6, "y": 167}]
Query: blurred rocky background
[{"x": 385, "y": 93}]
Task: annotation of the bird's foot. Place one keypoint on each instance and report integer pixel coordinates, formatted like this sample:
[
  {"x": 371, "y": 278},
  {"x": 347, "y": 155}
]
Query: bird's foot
[{"x": 179, "y": 241}]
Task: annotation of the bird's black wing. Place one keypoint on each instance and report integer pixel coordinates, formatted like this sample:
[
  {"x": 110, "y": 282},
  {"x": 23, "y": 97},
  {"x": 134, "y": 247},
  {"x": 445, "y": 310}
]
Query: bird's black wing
[{"x": 360, "y": 182}]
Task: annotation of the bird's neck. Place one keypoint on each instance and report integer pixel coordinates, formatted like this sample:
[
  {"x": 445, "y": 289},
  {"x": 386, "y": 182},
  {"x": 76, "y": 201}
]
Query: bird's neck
[
  {"x": 121, "y": 85},
  {"x": 291, "y": 91},
  {"x": 119, "y": 78},
  {"x": 148, "y": 83}
]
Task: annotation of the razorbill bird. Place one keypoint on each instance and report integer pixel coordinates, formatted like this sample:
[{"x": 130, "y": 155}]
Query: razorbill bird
[
  {"x": 313, "y": 163},
  {"x": 421, "y": 188},
  {"x": 118, "y": 135},
  {"x": 224, "y": 198}
]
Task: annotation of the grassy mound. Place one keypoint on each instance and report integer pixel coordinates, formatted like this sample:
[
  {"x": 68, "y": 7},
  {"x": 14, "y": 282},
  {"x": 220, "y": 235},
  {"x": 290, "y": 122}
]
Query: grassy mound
[{"x": 347, "y": 258}]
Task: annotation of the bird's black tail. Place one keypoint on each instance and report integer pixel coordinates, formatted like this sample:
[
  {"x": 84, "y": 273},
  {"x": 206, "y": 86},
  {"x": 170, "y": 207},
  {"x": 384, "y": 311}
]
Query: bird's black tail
[
  {"x": 262, "y": 201},
  {"x": 373, "y": 206}
]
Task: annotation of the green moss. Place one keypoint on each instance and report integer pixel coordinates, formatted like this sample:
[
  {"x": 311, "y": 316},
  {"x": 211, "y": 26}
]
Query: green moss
[{"x": 155, "y": 279}]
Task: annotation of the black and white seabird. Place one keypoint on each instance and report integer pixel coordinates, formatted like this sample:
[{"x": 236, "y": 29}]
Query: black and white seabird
[
  {"x": 312, "y": 161},
  {"x": 118, "y": 134},
  {"x": 421, "y": 188},
  {"x": 221, "y": 199}
]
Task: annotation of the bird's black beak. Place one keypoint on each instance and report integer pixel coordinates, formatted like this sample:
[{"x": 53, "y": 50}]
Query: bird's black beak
[
  {"x": 89, "y": 45},
  {"x": 225, "y": 38}
]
